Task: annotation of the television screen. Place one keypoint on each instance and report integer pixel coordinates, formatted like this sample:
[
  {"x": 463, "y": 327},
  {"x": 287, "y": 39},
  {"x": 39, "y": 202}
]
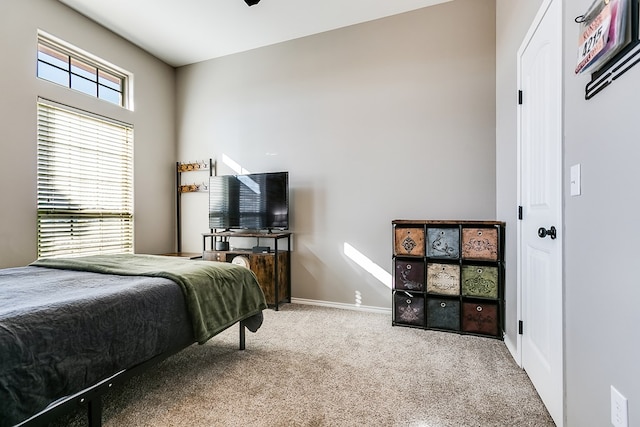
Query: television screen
[{"x": 258, "y": 201}]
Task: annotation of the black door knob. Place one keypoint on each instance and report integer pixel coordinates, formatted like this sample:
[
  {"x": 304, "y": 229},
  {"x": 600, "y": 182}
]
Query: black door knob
[{"x": 551, "y": 232}]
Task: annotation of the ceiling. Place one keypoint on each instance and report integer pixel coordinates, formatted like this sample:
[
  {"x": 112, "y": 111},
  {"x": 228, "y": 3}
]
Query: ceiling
[{"x": 188, "y": 31}]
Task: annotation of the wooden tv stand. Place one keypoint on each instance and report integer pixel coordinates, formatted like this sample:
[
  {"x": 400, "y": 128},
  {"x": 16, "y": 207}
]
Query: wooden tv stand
[{"x": 272, "y": 268}]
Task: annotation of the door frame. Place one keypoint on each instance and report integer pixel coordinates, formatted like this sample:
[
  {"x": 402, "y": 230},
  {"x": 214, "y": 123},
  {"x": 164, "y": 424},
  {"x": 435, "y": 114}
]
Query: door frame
[{"x": 519, "y": 303}]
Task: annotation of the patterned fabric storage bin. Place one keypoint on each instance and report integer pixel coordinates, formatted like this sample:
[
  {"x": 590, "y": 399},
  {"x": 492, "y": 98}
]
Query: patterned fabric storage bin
[
  {"x": 480, "y": 243},
  {"x": 409, "y": 241},
  {"x": 480, "y": 281},
  {"x": 480, "y": 318},
  {"x": 408, "y": 309},
  {"x": 409, "y": 275},
  {"x": 443, "y": 279},
  {"x": 443, "y": 314},
  {"x": 443, "y": 243}
]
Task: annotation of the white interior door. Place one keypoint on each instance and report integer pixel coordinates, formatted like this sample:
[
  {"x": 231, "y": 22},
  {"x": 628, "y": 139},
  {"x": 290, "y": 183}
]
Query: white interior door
[{"x": 540, "y": 293}]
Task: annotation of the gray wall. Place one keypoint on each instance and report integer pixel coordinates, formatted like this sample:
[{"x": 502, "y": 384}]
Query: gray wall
[
  {"x": 602, "y": 342},
  {"x": 601, "y": 241},
  {"x": 384, "y": 120},
  {"x": 153, "y": 120}
]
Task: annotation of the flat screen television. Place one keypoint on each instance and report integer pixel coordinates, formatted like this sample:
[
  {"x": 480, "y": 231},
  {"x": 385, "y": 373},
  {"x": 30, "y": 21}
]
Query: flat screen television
[{"x": 257, "y": 201}]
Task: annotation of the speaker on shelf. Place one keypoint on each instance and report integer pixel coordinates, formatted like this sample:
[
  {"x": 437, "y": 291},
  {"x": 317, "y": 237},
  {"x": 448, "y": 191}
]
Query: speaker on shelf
[
  {"x": 241, "y": 261},
  {"x": 222, "y": 246}
]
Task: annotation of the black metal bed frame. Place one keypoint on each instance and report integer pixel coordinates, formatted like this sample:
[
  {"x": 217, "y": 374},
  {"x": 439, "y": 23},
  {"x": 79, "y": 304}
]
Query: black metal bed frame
[{"x": 91, "y": 397}]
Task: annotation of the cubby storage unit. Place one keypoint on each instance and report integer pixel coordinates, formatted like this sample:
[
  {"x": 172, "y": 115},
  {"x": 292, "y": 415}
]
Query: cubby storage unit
[
  {"x": 449, "y": 276},
  {"x": 271, "y": 265}
]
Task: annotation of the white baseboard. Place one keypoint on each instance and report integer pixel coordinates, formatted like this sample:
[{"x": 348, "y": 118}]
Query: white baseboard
[
  {"x": 512, "y": 349},
  {"x": 368, "y": 308}
]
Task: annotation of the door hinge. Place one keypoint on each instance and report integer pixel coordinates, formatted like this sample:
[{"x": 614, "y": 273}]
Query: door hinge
[
  {"x": 520, "y": 327},
  {"x": 519, "y": 212},
  {"x": 519, "y": 97}
]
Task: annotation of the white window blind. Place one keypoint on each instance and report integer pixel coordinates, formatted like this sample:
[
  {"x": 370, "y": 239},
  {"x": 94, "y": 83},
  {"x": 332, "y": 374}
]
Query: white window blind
[{"x": 85, "y": 183}]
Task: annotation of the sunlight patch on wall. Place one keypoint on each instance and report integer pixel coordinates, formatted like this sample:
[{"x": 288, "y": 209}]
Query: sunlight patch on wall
[
  {"x": 235, "y": 166},
  {"x": 369, "y": 266}
]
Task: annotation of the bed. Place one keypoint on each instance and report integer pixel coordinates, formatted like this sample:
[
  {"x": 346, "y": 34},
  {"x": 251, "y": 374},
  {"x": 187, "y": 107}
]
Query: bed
[{"x": 70, "y": 329}]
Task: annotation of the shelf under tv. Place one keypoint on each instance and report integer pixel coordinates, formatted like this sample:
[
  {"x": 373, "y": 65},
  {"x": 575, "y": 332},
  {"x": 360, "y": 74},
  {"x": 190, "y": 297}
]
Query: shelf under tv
[{"x": 272, "y": 267}]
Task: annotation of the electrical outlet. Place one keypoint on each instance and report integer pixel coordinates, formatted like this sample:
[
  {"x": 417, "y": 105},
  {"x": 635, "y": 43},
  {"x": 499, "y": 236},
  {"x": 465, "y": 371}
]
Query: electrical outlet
[{"x": 619, "y": 410}]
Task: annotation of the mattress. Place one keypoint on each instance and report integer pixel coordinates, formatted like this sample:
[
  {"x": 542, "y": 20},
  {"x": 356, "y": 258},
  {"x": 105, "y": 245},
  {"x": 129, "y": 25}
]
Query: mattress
[{"x": 62, "y": 331}]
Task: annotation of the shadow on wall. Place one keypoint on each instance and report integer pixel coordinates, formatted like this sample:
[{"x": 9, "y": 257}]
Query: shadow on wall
[
  {"x": 235, "y": 166},
  {"x": 369, "y": 266}
]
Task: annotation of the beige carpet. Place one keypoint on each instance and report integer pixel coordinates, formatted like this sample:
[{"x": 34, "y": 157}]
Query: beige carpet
[{"x": 315, "y": 366}]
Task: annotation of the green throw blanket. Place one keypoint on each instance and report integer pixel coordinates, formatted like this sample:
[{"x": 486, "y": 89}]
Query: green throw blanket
[{"x": 217, "y": 294}]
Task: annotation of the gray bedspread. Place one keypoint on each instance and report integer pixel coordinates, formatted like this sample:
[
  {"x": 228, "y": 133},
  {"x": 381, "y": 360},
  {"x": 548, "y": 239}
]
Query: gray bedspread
[
  {"x": 62, "y": 331},
  {"x": 217, "y": 294}
]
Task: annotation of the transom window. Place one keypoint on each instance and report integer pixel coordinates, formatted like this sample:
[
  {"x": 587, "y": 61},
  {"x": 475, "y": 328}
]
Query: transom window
[{"x": 66, "y": 67}]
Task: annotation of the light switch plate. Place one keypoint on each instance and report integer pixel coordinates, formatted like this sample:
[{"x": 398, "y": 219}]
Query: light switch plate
[{"x": 576, "y": 185}]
